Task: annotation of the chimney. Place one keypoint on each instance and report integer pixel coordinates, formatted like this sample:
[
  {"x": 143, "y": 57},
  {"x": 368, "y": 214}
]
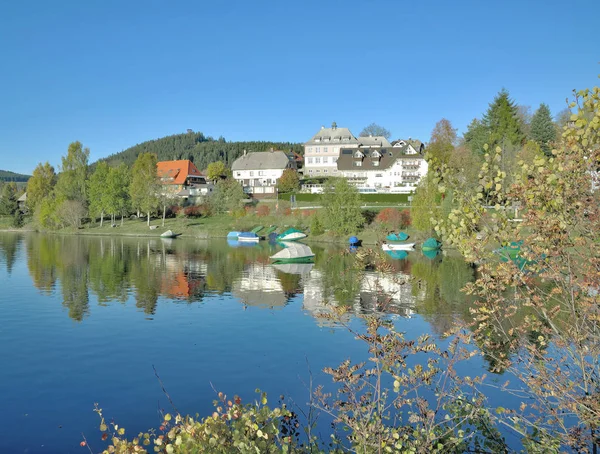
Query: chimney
[{"x": 334, "y": 125}]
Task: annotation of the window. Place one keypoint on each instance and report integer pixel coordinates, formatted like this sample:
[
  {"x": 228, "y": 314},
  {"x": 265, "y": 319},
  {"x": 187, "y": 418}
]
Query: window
[
  {"x": 309, "y": 160},
  {"x": 378, "y": 175},
  {"x": 357, "y": 163},
  {"x": 335, "y": 158},
  {"x": 324, "y": 149},
  {"x": 317, "y": 160},
  {"x": 325, "y": 171},
  {"x": 238, "y": 174},
  {"x": 325, "y": 159},
  {"x": 376, "y": 163},
  {"x": 317, "y": 171},
  {"x": 309, "y": 170},
  {"x": 251, "y": 173},
  {"x": 318, "y": 149},
  {"x": 309, "y": 150},
  {"x": 261, "y": 173}
]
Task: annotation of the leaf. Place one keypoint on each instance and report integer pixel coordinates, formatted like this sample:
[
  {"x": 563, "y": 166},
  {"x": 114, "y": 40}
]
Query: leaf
[
  {"x": 167, "y": 417},
  {"x": 103, "y": 427}
]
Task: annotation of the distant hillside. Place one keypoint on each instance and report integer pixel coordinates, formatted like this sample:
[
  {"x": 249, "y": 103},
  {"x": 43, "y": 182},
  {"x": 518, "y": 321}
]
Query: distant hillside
[
  {"x": 6, "y": 175},
  {"x": 197, "y": 148}
]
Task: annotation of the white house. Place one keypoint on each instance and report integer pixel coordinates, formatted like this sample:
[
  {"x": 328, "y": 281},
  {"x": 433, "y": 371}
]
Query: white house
[
  {"x": 258, "y": 172},
  {"x": 393, "y": 169},
  {"x": 322, "y": 151}
]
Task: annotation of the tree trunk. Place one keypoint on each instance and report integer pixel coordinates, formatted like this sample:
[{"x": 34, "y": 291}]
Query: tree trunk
[
  {"x": 101, "y": 218},
  {"x": 121, "y": 219},
  {"x": 148, "y": 218},
  {"x": 164, "y": 214}
]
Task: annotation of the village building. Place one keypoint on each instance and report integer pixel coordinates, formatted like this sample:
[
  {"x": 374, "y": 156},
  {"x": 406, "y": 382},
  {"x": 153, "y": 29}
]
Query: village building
[
  {"x": 258, "y": 172},
  {"x": 182, "y": 179}
]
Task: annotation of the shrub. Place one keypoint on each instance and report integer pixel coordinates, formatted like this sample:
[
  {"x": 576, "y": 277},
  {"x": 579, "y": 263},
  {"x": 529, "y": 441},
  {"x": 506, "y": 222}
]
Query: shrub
[
  {"x": 192, "y": 211},
  {"x": 316, "y": 226},
  {"x": 249, "y": 209},
  {"x": 389, "y": 217},
  {"x": 405, "y": 219},
  {"x": 263, "y": 210}
]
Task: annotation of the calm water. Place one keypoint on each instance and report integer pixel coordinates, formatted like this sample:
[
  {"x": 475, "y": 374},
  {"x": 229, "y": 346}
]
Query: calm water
[{"x": 83, "y": 320}]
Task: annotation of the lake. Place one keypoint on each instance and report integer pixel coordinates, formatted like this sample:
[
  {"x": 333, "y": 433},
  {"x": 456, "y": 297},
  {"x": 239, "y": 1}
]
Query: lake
[{"x": 85, "y": 320}]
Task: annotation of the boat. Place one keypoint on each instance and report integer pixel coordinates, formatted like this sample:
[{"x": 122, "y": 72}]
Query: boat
[
  {"x": 354, "y": 241},
  {"x": 397, "y": 255},
  {"x": 257, "y": 229},
  {"x": 270, "y": 230},
  {"x": 233, "y": 234},
  {"x": 397, "y": 247},
  {"x": 169, "y": 234},
  {"x": 431, "y": 254},
  {"x": 291, "y": 235},
  {"x": 431, "y": 244},
  {"x": 400, "y": 236},
  {"x": 294, "y": 253},
  {"x": 248, "y": 237}
]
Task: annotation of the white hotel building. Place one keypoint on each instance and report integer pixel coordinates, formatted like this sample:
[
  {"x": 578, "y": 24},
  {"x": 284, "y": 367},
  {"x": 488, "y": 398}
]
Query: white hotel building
[{"x": 371, "y": 163}]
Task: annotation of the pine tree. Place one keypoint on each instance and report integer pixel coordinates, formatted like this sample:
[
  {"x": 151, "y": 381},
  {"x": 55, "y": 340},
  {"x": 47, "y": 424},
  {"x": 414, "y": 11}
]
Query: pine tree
[
  {"x": 503, "y": 122},
  {"x": 543, "y": 130}
]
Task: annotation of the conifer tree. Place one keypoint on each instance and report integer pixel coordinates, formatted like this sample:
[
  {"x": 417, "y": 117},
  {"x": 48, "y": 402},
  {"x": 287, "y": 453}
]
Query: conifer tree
[
  {"x": 503, "y": 122},
  {"x": 543, "y": 130}
]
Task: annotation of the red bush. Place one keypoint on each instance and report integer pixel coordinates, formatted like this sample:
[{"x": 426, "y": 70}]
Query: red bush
[
  {"x": 393, "y": 218},
  {"x": 194, "y": 211},
  {"x": 405, "y": 219},
  {"x": 249, "y": 209},
  {"x": 263, "y": 210},
  {"x": 287, "y": 212}
]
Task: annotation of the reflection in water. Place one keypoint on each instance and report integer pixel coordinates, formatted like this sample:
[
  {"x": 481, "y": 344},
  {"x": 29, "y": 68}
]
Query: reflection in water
[{"x": 117, "y": 269}]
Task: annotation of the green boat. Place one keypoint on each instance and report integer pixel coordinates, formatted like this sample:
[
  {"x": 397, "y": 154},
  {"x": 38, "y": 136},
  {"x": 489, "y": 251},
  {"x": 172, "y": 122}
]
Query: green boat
[
  {"x": 431, "y": 244},
  {"x": 294, "y": 253},
  {"x": 270, "y": 230},
  {"x": 257, "y": 229},
  {"x": 291, "y": 235}
]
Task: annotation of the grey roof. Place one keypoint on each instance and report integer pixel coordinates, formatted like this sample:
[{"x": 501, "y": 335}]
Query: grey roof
[
  {"x": 374, "y": 141},
  {"x": 415, "y": 143},
  {"x": 388, "y": 157},
  {"x": 23, "y": 198},
  {"x": 263, "y": 160},
  {"x": 333, "y": 134}
]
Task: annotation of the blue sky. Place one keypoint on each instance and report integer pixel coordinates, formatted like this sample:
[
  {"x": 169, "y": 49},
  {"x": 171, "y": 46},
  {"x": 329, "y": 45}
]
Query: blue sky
[{"x": 114, "y": 73}]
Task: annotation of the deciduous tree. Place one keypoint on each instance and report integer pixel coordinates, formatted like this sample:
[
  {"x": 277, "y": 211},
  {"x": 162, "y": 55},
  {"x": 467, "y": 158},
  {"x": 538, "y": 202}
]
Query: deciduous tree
[
  {"x": 96, "y": 191},
  {"x": 443, "y": 141},
  {"x": 72, "y": 180},
  {"x": 341, "y": 207},
  {"x": 40, "y": 185},
  {"x": 144, "y": 186},
  {"x": 227, "y": 196},
  {"x": 375, "y": 130},
  {"x": 289, "y": 181},
  {"x": 217, "y": 170}
]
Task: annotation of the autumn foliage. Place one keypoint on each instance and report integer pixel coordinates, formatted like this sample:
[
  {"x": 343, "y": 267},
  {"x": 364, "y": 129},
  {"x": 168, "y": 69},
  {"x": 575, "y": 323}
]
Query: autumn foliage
[{"x": 393, "y": 218}]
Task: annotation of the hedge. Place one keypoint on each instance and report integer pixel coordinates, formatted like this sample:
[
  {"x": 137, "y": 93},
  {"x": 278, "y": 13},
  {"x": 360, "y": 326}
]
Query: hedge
[{"x": 373, "y": 198}]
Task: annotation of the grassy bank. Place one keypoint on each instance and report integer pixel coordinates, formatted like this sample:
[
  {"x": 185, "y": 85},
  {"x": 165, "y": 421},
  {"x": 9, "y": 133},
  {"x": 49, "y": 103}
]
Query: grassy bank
[{"x": 218, "y": 226}]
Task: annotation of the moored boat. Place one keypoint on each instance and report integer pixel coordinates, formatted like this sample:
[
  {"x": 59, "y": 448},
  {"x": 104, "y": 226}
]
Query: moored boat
[
  {"x": 431, "y": 244},
  {"x": 400, "y": 236},
  {"x": 169, "y": 234},
  {"x": 248, "y": 237},
  {"x": 398, "y": 247},
  {"x": 291, "y": 235},
  {"x": 294, "y": 253}
]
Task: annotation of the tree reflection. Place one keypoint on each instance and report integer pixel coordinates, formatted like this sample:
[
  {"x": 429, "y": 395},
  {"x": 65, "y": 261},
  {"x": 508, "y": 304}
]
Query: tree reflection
[{"x": 9, "y": 244}]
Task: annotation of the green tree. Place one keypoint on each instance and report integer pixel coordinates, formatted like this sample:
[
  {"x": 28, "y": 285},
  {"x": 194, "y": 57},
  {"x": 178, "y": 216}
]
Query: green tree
[
  {"x": 72, "y": 180},
  {"x": 40, "y": 185},
  {"x": 503, "y": 122},
  {"x": 443, "y": 141},
  {"x": 341, "y": 207},
  {"x": 425, "y": 204},
  {"x": 216, "y": 170},
  {"x": 289, "y": 181},
  {"x": 477, "y": 136},
  {"x": 375, "y": 130},
  {"x": 144, "y": 186},
  {"x": 543, "y": 129},
  {"x": 96, "y": 189},
  {"x": 117, "y": 191},
  {"x": 227, "y": 196},
  {"x": 8, "y": 199}
]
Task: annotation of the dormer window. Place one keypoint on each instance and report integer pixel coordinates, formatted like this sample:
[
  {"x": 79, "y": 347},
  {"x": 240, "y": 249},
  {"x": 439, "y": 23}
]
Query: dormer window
[
  {"x": 359, "y": 155},
  {"x": 375, "y": 155},
  {"x": 317, "y": 139}
]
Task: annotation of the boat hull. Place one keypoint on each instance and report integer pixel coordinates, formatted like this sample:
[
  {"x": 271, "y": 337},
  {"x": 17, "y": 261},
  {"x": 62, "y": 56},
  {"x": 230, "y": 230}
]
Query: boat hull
[
  {"x": 398, "y": 247},
  {"x": 292, "y": 237},
  {"x": 307, "y": 259}
]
